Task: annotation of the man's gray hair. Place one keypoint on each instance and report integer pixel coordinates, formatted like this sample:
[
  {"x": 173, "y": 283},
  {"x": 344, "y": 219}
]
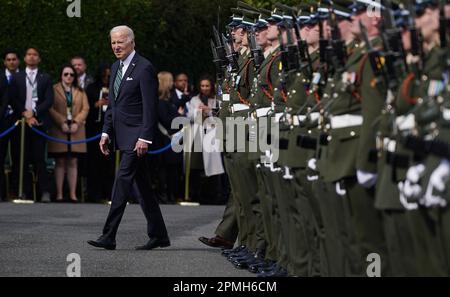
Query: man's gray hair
[{"x": 123, "y": 29}]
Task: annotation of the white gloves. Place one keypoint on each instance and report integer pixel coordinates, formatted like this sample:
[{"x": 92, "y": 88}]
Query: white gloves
[
  {"x": 404, "y": 201},
  {"x": 340, "y": 191},
  {"x": 436, "y": 186},
  {"x": 367, "y": 179},
  {"x": 410, "y": 189},
  {"x": 287, "y": 173},
  {"x": 312, "y": 166}
]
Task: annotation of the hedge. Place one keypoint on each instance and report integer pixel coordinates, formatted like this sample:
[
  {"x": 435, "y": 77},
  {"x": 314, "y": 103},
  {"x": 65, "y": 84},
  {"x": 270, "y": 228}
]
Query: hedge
[{"x": 173, "y": 34}]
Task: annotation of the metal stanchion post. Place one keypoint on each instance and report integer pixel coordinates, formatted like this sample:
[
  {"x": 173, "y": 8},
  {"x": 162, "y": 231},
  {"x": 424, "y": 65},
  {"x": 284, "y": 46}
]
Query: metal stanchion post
[
  {"x": 20, "y": 193},
  {"x": 22, "y": 157},
  {"x": 188, "y": 174},
  {"x": 187, "y": 150}
]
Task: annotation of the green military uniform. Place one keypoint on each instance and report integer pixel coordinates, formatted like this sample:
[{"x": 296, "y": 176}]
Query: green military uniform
[
  {"x": 349, "y": 143},
  {"x": 298, "y": 153},
  {"x": 232, "y": 223},
  {"x": 339, "y": 238},
  {"x": 261, "y": 99},
  {"x": 303, "y": 226},
  {"x": 242, "y": 182},
  {"x": 393, "y": 160},
  {"x": 425, "y": 223}
]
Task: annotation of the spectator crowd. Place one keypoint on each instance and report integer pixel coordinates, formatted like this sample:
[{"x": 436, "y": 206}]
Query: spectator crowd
[{"x": 61, "y": 114}]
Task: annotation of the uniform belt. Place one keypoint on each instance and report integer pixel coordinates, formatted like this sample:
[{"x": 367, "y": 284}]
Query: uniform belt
[
  {"x": 263, "y": 112},
  {"x": 440, "y": 149},
  {"x": 345, "y": 121},
  {"x": 314, "y": 116},
  {"x": 284, "y": 144},
  {"x": 418, "y": 145},
  {"x": 324, "y": 139},
  {"x": 307, "y": 142},
  {"x": 239, "y": 107},
  {"x": 297, "y": 119},
  {"x": 278, "y": 116},
  {"x": 397, "y": 160}
]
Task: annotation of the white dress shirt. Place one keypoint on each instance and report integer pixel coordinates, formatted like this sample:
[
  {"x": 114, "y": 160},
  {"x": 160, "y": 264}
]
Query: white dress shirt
[
  {"x": 179, "y": 93},
  {"x": 126, "y": 64},
  {"x": 9, "y": 110},
  {"x": 82, "y": 80},
  {"x": 30, "y": 103},
  {"x": 9, "y": 74}
]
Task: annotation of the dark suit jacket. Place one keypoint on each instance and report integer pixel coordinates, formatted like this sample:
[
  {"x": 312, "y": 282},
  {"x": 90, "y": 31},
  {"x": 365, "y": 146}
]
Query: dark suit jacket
[
  {"x": 4, "y": 98},
  {"x": 167, "y": 113},
  {"x": 88, "y": 80},
  {"x": 177, "y": 101},
  {"x": 133, "y": 114},
  {"x": 45, "y": 96}
]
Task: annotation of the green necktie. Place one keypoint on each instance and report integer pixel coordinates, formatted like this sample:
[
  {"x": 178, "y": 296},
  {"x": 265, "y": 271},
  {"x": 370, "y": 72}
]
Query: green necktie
[{"x": 118, "y": 81}]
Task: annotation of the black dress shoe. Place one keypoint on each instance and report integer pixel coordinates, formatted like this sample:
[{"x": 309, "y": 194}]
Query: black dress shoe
[
  {"x": 227, "y": 252},
  {"x": 257, "y": 257},
  {"x": 239, "y": 253},
  {"x": 259, "y": 267},
  {"x": 244, "y": 254},
  {"x": 277, "y": 272},
  {"x": 154, "y": 243},
  {"x": 102, "y": 244}
]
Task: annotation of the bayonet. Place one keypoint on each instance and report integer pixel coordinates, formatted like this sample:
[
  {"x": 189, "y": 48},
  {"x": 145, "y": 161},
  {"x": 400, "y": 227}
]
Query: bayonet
[{"x": 231, "y": 55}]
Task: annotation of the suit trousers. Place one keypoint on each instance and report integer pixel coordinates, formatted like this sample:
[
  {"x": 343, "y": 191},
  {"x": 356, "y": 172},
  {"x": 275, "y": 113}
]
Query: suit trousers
[
  {"x": 35, "y": 154},
  {"x": 132, "y": 179},
  {"x": 14, "y": 139}
]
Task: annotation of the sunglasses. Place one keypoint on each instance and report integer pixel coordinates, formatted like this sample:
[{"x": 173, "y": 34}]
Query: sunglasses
[{"x": 67, "y": 74}]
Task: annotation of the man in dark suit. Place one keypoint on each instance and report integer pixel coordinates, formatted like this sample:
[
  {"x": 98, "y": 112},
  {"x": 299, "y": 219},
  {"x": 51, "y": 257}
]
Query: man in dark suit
[
  {"x": 3, "y": 103},
  {"x": 84, "y": 79},
  {"x": 3, "y": 94},
  {"x": 180, "y": 94},
  {"x": 7, "y": 120},
  {"x": 32, "y": 97},
  {"x": 130, "y": 123}
]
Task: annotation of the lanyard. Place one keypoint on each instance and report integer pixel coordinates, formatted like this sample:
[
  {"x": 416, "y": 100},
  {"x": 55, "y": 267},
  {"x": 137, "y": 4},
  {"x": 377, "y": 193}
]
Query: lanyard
[
  {"x": 69, "y": 102},
  {"x": 33, "y": 86},
  {"x": 69, "y": 98},
  {"x": 32, "y": 83}
]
